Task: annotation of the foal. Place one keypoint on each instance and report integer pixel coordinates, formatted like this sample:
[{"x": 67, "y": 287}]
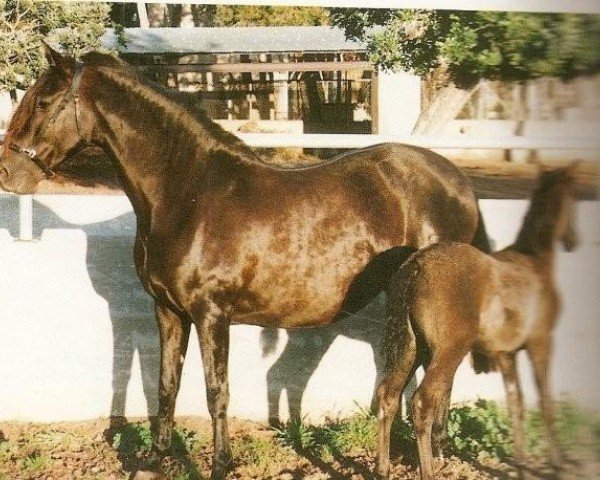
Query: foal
[{"x": 451, "y": 298}]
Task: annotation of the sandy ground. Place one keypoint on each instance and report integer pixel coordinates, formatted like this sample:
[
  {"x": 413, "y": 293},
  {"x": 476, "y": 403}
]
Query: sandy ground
[{"x": 85, "y": 450}]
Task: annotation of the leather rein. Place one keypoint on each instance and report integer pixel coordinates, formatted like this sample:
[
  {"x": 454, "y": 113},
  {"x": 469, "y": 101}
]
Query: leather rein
[{"x": 72, "y": 94}]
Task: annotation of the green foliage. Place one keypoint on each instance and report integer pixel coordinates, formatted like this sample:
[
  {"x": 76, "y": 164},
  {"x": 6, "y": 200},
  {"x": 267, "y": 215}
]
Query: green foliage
[
  {"x": 136, "y": 438},
  {"x": 34, "y": 462},
  {"x": 254, "y": 15},
  {"x": 469, "y": 46},
  {"x": 75, "y": 26},
  {"x": 297, "y": 435},
  {"x": 256, "y": 451},
  {"x": 133, "y": 438},
  {"x": 335, "y": 437},
  {"x": 481, "y": 428},
  {"x": 356, "y": 433},
  {"x": 8, "y": 450}
]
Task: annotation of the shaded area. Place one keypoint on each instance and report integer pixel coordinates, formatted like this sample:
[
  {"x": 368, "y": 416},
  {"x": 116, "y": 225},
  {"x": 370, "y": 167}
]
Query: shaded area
[
  {"x": 362, "y": 319},
  {"x": 133, "y": 443},
  {"x": 109, "y": 262}
]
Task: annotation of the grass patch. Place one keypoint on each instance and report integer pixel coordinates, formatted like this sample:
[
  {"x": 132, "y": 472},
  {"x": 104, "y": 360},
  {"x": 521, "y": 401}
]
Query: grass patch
[
  {"x": 34, "y": 462},
  {"x": 136, "y": 439},
  {"x": 346, "y": 436},
  {"x": 261, "y": 456},
  {"x": 481, "y": 428}
]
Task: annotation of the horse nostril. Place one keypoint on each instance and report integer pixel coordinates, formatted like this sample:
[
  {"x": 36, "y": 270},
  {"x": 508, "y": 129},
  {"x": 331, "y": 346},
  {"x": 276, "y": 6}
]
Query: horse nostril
[{"x": 4, "y": 173}]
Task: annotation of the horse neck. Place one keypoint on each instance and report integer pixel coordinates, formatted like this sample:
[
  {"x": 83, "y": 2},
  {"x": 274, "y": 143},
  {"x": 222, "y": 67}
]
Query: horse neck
[
  {"x": 160, "y": 146},
  {"x": 537, "y": 237}
]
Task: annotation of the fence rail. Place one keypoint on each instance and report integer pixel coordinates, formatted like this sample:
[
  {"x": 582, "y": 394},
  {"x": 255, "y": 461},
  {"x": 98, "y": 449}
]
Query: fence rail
[
  {"x": 341, "y": 141},
  {"x": 304, "y": 140},
  {"x": 317, "y": 140}
]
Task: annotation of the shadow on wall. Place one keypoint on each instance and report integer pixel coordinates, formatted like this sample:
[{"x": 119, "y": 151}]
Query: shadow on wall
[
  {"x": 305, "y": 349},
  {"x": 112, "y": 273}
]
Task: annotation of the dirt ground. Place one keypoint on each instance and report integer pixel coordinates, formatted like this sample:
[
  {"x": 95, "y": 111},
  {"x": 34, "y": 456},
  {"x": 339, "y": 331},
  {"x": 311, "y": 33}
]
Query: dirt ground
[{"x": 87, "y": 450}]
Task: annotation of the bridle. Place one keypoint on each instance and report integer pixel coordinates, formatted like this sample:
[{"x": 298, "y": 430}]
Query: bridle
[{"x": 72, "y": 94}]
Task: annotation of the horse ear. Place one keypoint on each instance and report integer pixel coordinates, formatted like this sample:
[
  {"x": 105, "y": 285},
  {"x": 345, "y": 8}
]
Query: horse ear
[
  {"x": 571, "y": 169},
  {"x": 538, "y": 165},
  {"x": 56, "y": 59}
]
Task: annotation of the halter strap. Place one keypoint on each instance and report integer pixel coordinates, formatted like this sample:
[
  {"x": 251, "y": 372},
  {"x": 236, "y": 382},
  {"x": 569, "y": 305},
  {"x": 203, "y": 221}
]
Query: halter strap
[
  {"x": 32, "y": 154},
  {"x": 72, "y": 94}
]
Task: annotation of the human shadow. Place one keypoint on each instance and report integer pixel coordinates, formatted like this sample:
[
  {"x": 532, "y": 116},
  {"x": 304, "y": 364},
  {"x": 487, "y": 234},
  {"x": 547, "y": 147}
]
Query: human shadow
[
  {"x": 362, "y": 319},
  {"x": 110, "y": 267}
]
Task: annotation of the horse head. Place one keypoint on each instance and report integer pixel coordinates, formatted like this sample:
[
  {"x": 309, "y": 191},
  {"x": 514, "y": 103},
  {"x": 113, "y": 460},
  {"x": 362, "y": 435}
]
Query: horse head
[{"x": 47, "y": 126}]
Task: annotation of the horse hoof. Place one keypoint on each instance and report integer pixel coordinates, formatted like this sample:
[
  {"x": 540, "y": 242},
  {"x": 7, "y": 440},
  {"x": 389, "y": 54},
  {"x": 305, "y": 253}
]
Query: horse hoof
[
  {"x": 222, "y": 464},
  {"x": 147, "y": 475}
]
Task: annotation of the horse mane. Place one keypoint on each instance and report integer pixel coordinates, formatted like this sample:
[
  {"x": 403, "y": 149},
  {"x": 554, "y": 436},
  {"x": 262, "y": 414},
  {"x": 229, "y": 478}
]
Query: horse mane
[
  {"x": 178, "y": 107},
  {"x": 537, "y": 231}
]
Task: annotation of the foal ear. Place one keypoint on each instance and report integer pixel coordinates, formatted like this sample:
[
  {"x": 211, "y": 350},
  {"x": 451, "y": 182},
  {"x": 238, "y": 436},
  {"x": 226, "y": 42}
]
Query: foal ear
[
  {"x": 56, "y": 59},
  {"x": 573, "y": 167}
]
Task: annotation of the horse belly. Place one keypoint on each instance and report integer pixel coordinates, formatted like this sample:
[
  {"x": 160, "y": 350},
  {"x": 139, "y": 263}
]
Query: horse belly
[
  {"x": 508, "y": 318},
  {"x": 297, "y": 279},
  {"x": 301, "y": 292}
]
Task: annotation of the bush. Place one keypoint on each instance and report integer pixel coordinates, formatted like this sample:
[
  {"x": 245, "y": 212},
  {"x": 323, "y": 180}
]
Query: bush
[{"x": 482, "y": 428}]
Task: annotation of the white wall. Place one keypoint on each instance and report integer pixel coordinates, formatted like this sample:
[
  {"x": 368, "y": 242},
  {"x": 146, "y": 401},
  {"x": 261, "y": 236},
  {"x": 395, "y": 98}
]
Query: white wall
[
  {"x": 71, "y": 307},
  {"x": 396, "y": 102}
]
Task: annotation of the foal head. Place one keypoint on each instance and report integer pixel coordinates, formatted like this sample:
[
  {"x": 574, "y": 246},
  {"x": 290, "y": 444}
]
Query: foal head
[
  {"x": 46, "y": 126},
  {"x": 555, "y": 199}
]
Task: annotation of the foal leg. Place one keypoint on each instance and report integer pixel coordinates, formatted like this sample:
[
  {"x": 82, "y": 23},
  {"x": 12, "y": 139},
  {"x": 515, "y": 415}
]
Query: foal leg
[
  {"x": 389, "y": 392},
  {"x": 213, "y": 334},
  {"x": 539, "y": 351},
  {"x": 430, "y": 400},
  {"x": 514, "y": 399},
  {"x": 440, "y": 427},
  {"x": 174, "y": 334}
]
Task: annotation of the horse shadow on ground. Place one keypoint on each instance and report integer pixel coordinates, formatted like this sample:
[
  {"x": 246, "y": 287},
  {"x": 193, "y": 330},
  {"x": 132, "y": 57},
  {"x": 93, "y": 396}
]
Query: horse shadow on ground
[
  {"x": 363, "y": 319},
  {"x": 109, "y": 262},
  {"x": 110, "y": 267}
]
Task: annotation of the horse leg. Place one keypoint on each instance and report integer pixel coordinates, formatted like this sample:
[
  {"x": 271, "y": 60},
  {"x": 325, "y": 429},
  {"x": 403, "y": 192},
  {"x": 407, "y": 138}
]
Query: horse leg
[
  {"x": 213, "y": 334},
  {"x": 174, "y": 333},
  {"x": 440, "y": 427},
  {"x": 389, "y": 391},
  {"x": 539, "y": 352},
  {"x": 514, "y": 399},
  {"x": 430, "y": 399}
]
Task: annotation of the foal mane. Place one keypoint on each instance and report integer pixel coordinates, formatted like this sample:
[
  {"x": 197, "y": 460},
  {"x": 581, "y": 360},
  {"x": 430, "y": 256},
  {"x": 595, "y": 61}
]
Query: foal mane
[{"x": 537, "y": 231}]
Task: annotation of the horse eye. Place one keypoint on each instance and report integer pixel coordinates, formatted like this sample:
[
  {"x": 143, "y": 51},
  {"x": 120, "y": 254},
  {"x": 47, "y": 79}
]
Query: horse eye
[{"x": 42, "y": 104}]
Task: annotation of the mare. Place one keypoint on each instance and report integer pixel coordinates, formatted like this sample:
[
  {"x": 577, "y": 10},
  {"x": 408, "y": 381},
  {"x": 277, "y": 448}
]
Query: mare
[
  {"x": 450, "y": 298},
  {"x": 222, "y": 237}
]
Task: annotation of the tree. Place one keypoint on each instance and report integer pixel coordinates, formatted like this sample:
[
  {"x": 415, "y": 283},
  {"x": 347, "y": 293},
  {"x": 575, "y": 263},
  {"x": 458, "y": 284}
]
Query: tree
[
  {"x": 459, "y": 48},
  {"x": 23, "y": 24},
  {"x": 172, "y": 14},
  {"x": 251, "y": 15}
]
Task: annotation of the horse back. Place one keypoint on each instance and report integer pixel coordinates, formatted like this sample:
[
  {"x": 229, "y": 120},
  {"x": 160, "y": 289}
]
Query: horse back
[{"x": 274, "y": 243}]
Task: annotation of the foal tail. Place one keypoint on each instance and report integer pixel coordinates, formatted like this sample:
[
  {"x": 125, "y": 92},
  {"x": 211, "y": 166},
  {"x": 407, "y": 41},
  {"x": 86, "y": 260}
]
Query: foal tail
[
  {"x": 399, "y": 329},
  {"x": 481, "y": 241}
]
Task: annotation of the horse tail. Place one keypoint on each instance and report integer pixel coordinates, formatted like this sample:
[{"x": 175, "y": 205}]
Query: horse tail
[
  {"x": 481, "y": 241},
  {"x": 269, "y": 337}
]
